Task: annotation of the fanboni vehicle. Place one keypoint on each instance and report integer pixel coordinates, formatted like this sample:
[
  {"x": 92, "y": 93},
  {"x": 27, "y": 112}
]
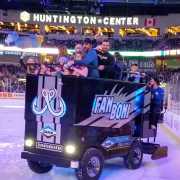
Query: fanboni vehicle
[{"x": 80, "y": 122}]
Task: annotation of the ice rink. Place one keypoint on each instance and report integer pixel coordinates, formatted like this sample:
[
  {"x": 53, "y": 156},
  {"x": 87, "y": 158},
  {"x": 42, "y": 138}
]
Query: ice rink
[{"x": 12, "y": 167}]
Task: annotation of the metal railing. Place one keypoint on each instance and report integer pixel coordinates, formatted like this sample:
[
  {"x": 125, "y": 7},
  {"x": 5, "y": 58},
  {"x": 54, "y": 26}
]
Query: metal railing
[{"x": 9, "y": 85}]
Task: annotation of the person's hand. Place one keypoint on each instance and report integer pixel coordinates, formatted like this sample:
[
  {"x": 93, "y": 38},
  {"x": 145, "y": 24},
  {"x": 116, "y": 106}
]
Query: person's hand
[
  {"x": 57, "y": 68},
  {"x": 143, "y": 74},
  {"x": 101, "y": 67},
  {"x": 70, "y": 63},
  {"x": 66, "y": 72}
]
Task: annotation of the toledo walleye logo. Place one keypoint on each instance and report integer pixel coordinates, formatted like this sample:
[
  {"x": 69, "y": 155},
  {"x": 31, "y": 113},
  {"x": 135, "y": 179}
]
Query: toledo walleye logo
[
  {"x": 48, "y": 131},
  {"x": 49, "y": 96}
]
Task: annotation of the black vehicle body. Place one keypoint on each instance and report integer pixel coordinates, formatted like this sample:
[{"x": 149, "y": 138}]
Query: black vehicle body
[{"x": 108, "y": 115}]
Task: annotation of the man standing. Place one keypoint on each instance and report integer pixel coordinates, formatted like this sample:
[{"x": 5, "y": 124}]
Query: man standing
[
  {"x": 156, "y": 102},
  {"x": 105, "y": 60}
]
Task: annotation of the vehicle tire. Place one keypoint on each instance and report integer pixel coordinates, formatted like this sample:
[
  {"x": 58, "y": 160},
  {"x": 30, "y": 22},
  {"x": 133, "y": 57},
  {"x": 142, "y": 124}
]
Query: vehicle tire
[
  {"x": 134, "y": 157},
  {"x": 39, "y": 167},
  {"x": 91, "y": 165}
]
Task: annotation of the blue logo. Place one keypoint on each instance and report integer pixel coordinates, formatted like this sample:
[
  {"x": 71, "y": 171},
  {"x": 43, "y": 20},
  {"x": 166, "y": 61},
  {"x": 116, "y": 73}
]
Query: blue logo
[
  {"x": 48, "y": 131},
  {"x": 49, "y": 96}
]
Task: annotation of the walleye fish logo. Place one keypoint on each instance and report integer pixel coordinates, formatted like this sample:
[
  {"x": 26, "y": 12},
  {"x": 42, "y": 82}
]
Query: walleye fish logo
[
  {"x": 48, "y": 131},
  {"x": 49, "y": 96}
]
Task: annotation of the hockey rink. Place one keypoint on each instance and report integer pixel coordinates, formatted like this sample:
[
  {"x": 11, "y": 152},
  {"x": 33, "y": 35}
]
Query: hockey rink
[{"x": 14, "y": 168}]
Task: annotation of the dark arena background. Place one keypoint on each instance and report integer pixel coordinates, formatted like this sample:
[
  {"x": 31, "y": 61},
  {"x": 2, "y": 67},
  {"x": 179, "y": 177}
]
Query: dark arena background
[{"x": 45, "y": 64}]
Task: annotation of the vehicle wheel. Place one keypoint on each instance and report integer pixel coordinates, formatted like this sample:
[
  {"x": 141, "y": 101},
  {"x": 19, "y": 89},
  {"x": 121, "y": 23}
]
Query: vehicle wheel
[
  {"x": 91, "y": 165},
  {"x": 134, "y": 157},
  {"x": 39, "y": 167}
]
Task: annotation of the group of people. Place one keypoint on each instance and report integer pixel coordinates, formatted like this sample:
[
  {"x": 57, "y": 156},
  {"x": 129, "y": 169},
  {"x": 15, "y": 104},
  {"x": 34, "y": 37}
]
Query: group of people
[
  {"x": 97, "y": 62},
  {"x": 10, "y": 76},
  {"x": 86, "y": 61}
]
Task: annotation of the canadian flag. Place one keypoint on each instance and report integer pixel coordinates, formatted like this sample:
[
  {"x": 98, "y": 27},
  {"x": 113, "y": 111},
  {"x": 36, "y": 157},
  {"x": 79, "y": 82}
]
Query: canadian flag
[{"x": 150, "y": 22}]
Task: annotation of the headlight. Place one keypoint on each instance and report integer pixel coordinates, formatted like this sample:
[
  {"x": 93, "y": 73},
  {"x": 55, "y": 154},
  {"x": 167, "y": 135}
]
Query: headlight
[
  {"x": 70, "y": 149},
  {"x": 29, "y": 142}
]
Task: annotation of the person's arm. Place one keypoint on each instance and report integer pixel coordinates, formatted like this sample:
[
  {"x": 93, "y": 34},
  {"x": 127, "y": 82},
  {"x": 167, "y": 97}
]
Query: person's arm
[
  {"x": 82, "y": 72},
  {"x": 88, "y": 59}
]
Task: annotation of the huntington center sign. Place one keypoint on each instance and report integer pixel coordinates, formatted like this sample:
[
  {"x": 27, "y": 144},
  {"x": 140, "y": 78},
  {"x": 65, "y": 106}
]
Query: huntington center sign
[{"x": 78, "y": 19}]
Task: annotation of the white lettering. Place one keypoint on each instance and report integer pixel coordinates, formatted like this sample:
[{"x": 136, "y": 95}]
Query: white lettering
[
  {"x": 66, "y": 19},
  {"x": 112, "y": 21},
  {"x": 109, "y": 104},
  {"x": 55, "y": 18},
  {"x": 123, "y": 21},
  {"x": 118, "y": 21},
  {"x": 125, "y": 112},
  {"x": 79, "y": 18},
  {"x": 48, "y": 18},
  {"x": 97, "y": 104},
  {"x": 36, "y": 17},
  {"x": 106, "y": 21},
  {"x": 119, "y": 111},
  {"x": 129, "y": 21},
  {"x": 42, "y": 18},
  {"x": 73, "y": 19},
  {"x": 102, "y": 108},
  {"x": 60, "y": 19},
  {"x": 93, "y": 20},
  {"x": 86, "y": 20},
  {"x": 113, "y": 112},
  {"x": 135, "y": 21}
]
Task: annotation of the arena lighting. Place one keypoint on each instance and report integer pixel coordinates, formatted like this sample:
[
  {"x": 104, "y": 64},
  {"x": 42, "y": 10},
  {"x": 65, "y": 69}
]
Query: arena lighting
[
  {"x": 10, "y": 48},
  {"x": 55, "y": 51},
  {"x": 143, "y": 54},
  {"x": 132, "y": 53},
  {"x": 178, "y": 51}
]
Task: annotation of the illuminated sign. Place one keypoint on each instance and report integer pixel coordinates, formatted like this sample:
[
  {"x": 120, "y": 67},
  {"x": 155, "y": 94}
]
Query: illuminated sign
[
  {"x": 49, "y": 96},
  {"x": 25, "y": 16},
  {"x": 79, "y": 19}
]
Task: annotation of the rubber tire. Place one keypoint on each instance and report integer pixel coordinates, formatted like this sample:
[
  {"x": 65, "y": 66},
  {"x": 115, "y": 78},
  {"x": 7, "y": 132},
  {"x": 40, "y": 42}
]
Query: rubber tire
[
  {"x": 38, "y": 167},
  {"x": 81, "y": 172},
  {"x": 128, "y": 160}
]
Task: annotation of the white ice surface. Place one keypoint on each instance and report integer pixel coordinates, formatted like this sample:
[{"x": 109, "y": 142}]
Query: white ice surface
[{"x": 12, "y": 167}]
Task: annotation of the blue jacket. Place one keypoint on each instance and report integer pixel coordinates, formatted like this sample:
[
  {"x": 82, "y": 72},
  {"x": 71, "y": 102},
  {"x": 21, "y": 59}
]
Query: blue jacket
[
  {"x": 157, "y": 97},
  {"x": 91, "y": 61}
]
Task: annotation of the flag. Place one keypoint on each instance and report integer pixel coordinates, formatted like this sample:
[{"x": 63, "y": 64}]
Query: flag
[{"x": 150, "y": 22}]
